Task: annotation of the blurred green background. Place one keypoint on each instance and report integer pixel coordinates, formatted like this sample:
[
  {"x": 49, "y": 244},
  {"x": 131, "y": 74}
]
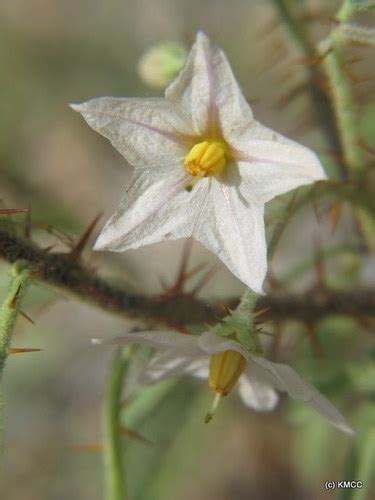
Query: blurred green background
[{"x": 55, "y": 52}]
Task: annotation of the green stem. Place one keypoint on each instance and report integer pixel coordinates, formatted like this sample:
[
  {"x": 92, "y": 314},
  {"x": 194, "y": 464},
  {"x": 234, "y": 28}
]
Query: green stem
[
  {"x": 113, "y": 454},
  {"x": 347, "y": 114},
  {"x": 342, "y": 94},
  {"x": 344, "y": 104},
  {"x": 11, "y": 308},
  {"x": 350, "y": 7},
  {"x": 8, "y": 316},
  {"x": 346, "y": 10}
]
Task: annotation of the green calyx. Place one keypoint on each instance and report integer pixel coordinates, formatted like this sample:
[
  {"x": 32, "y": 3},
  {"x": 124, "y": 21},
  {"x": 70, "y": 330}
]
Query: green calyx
[{"x": 239, "y": 326}]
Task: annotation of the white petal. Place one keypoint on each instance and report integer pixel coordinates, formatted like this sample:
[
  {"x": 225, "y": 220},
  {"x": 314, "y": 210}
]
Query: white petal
[
  {"x": 199, "y": 368},
  {"x": 270, "y": 164},
  {"x": 154, "y": 208},
  {"x": 169, "y": 364},
  {"x": 209, "y": 92},
  {"x": 179, "y": 342},
  {"x": 285, "y": 378},
  {"x": 234, "y": 231},
  {"x": 255, "y": 393},
  {"x": 147, "y": 132},
  {"x": 210, "y": 343},
  {"x": 257, "y": 131}
]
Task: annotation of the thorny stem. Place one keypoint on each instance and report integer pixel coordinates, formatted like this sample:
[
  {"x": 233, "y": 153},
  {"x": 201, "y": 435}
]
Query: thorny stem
[
  {"x": 344, "y": 104},
  {"x": 343, "y": 131},
  {"x": 346, "y": 114},
  {"x": 115, "y": 488},
  {"x": 69, "y": 275},
  {"x": 8, "y": 317}
]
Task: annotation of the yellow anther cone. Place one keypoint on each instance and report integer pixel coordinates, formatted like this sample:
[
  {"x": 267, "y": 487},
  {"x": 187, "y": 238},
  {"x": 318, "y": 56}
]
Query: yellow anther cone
[
  {"x": 225, "y": 370},
  {"x": 205, "y": 159}
]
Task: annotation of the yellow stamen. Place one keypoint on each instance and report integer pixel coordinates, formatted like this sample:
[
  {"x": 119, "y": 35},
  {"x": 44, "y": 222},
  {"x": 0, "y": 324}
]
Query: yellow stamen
[
  {"x": 205, "y": 159},
  {"x": 225, "y": 369}
]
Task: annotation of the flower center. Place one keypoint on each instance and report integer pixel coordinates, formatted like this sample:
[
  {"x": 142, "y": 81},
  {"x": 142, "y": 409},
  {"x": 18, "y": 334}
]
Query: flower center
[
  {"x": 225, "y": 369},
  {"x": 205, "y": 159}
]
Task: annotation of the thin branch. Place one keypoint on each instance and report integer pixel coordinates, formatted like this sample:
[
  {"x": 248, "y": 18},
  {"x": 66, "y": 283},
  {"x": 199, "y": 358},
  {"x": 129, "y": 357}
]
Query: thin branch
[
  {"x": 312, "y": 306},
  {"x": 9, "y": 312},
  {"x": 61, "y": 271}
]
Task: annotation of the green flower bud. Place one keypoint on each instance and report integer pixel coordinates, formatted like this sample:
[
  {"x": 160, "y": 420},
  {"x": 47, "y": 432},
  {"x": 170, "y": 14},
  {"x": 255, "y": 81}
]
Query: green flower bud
[{"x": 160, "y": 64}]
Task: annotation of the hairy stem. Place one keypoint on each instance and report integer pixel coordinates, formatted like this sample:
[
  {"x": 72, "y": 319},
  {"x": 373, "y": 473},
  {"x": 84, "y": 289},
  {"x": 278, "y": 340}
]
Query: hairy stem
[
  {"x": 346, "y": 111},
  {"x": 338, "y": 119},
  {"x": 8, "y": 317},
  {"x": 115, "y": 488},
  {"x": 344, "y": 104}
]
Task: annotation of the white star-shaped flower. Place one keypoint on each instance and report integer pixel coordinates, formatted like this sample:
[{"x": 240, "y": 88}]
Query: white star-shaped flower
[
  {"x": 203, "y": 166},
  {"x": 224, "y": 362}
]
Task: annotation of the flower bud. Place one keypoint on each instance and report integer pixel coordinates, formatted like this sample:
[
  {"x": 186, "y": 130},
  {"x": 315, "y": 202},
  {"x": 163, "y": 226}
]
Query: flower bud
[{"x": 161, "y": 64}]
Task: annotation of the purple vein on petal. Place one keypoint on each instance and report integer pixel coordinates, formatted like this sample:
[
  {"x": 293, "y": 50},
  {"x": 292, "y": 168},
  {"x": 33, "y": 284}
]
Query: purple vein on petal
[
  {"x": 243, "y": 157},
  {"x": 176, "y": 188},
  {"x": 178, "y": 138},
  {"x": 214, "y": 126}
]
